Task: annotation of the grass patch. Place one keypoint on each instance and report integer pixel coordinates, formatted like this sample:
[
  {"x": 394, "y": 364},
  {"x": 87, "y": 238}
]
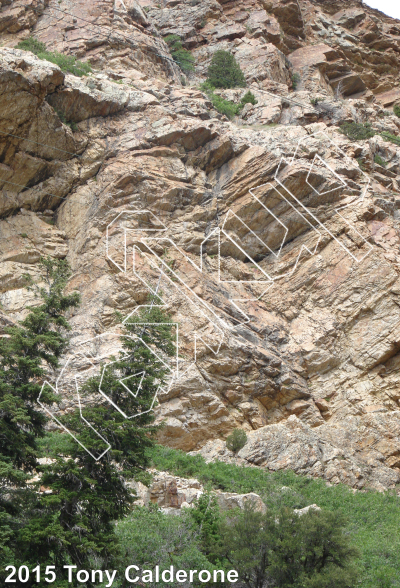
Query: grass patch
[
  {"x": 67, "y": 63},
  {"x": 373, "y": 517}
]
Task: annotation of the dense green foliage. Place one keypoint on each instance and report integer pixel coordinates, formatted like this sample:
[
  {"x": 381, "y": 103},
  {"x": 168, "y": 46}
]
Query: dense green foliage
[
  {"x": 74, "y": 521},
  {"x": 224, "y": 71},
  {"x": 151, "y": 538},
  {"x": 360, "y": 132},
  {"x": 30, "y": 349},
  {"x": 67, "y": 63},
  {"x": 295, "y": 81},
  {"x": 236, "y": 440},
  {"x": 181, "y": 56},
  {"x": 33, "y": 45},
  {"x": 373, "y": 517},
  {"x": 227, "y": 107},
  {"x": 100, "y": 485},
  {"x": 357, "y": 131},
  {"x": 396, "y": 110},
  {"x": 248, "y": 98},
  {"x": 282, "y": 549}
]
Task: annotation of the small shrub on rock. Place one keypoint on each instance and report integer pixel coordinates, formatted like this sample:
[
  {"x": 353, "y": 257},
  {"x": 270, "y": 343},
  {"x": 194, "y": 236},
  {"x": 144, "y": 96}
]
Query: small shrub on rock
[
  {"x": 224, "y": 71},
  {"x": 391, "y": 138},
  {"x": 33, "y": 45},
  {"x": 182, "y": 57},
  {"x": 380, "y": 161},
  {"x": 226, "y": 107},
  {"x": 357, "y": 131},
  {"x": 396, "y": 110},
  {"x": 236, "y": 440},
  {"x": 248, "y": 98},
  {"x": 295, "y": 81}
]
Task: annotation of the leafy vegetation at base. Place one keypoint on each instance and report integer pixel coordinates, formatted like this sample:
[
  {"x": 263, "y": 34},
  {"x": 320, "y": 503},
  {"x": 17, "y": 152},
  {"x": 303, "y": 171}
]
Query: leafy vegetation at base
[
  {"x": 225, "y": 72},
  {"x": 181, "y": 56},
  {"x": 67, "y": 63},
  {"x": 226, "y": 107},
  {"x": 373, "y": 518},
  {"x": 282, "y": 549}
]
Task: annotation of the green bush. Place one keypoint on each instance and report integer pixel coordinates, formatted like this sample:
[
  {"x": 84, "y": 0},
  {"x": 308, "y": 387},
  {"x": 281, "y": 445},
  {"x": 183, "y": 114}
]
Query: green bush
[
  {"x": 357, "y": 131},
  {"x": 279, "y": 548},
  {"x": 391, "y": 138},
  {"x": 236, "y": 440},
  {"x": 181, "y": 56},
  {"x": 149, "y": 538},
  {"x": 396, "y": 110},
  {"x": 224, "y": 71},
  {"x": 248, "y": 98},
  {"x": 67, "y": 63},
  {"x": 378, "y": 159},
  {"x": 373, "y": 517},
  {"x": 295, "y": 81},
  {"x": 227, "y": 107},
  {"x": 33, "y": 45}
]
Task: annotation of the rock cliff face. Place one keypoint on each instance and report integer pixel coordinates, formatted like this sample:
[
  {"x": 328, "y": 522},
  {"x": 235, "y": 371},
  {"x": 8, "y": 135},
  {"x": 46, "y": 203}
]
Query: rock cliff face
[{"x": 297, "y": 226}]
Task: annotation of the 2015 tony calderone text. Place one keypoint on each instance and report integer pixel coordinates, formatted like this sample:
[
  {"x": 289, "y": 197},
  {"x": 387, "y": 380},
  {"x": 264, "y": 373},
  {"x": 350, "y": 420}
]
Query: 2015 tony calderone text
[{"x": 133, "y": 574}]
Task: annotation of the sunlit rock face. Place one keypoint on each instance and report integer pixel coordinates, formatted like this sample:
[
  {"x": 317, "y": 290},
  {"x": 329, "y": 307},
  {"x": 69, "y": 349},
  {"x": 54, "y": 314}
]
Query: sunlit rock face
[{"x": 300, "y": 254}]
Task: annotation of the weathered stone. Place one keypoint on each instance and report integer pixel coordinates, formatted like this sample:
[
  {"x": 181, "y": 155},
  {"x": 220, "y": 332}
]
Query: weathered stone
[{"x": 312, "y": 374}]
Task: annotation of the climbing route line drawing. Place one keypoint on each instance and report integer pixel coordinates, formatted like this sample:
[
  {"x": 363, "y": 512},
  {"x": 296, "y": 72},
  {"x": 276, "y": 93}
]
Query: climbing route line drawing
[{"x": 137, "y": 242}]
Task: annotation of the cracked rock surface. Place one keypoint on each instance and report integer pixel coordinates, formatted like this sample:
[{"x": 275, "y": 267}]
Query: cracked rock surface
[{"x": 313, "y": 375}]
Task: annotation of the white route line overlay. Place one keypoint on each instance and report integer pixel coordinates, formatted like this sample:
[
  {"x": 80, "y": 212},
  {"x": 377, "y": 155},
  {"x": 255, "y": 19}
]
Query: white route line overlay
[{"x": 220, "y": 325}]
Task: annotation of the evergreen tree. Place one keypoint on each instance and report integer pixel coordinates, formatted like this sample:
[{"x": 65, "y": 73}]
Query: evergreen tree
[
  {"x": 89, "y": 495},
  {"x": 224, "y": 71},
  {"x": 72, "y": 521},
  {"x": 285, "y": 550},
  {"x": 26, "y": 352}
]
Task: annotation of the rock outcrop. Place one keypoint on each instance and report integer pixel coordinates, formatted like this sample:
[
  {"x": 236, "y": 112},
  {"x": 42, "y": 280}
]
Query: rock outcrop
[
  {"x": 305, "y": 273},
  {"x": 172, "y": 494}
]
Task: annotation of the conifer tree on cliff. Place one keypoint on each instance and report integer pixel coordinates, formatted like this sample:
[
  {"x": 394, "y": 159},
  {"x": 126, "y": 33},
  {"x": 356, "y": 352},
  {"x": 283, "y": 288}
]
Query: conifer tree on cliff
[
  {"x": 74, "y": 524},
  {"x": 27, "y": 351},
  {"x": 225, "y": 72}
]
